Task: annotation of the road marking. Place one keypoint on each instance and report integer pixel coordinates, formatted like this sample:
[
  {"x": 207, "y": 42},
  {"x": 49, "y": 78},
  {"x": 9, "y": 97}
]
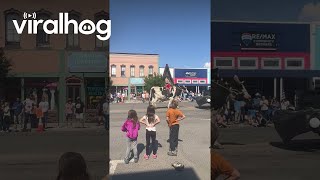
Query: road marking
[
  {"x": 113, "y": 165},
  {"x": 205, "y": 119}
]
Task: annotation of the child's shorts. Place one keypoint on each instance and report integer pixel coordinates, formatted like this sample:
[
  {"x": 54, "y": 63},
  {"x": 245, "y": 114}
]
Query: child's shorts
[{"x": 79, "y": 115}]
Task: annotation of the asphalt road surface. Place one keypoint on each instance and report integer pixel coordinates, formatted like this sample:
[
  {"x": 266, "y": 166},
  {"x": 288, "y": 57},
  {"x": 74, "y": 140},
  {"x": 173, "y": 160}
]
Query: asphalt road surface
[
  {"x": 258, "y": 153},
  {"x": 34, "y": 156},
  {"x": 193, "y": 149}
]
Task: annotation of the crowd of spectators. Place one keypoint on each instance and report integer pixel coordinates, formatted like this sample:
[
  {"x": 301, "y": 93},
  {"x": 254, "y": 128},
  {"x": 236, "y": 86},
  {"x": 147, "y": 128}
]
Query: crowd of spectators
[{"x": 257, "y": 111}]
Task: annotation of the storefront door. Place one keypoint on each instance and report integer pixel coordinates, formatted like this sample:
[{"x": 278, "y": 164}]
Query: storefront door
[{"x": 73, "y": 92}]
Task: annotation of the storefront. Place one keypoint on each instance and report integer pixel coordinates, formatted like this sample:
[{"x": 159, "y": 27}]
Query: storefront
[
  {"x": 195, "y": 80},
  {"x": 128, "y": 70},
  {"x": 85, "y": 78},
  {"x": 272, "y": 58}
]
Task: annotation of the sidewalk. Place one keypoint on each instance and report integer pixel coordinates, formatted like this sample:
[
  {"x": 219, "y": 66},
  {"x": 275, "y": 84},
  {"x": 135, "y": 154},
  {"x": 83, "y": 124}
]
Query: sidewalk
[{"x": 53, "y": 127}]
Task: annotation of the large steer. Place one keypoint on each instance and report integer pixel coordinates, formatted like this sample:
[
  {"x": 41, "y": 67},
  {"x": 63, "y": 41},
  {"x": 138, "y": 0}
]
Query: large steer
[{"x": 158, "y": 94}]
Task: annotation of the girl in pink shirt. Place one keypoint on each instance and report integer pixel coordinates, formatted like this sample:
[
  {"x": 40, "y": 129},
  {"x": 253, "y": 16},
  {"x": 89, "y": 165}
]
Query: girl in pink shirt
[{"x": 69, "y": 112}]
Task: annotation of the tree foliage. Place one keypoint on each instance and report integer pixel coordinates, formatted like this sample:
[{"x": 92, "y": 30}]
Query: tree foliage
[
  {"x": 109, "y": 84},
  {"x": 5, "y": 66},
  {"x": 154, "y": 80}
]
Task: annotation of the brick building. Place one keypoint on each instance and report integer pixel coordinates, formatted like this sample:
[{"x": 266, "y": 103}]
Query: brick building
[
  {"x": 61, "y": 66},
  {"x": 127, "y": 71}
]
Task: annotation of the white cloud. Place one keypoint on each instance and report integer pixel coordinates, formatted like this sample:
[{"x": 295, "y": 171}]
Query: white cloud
[
  {"x": 207, "y": 65},
  {"x": 310, "y": 12}
]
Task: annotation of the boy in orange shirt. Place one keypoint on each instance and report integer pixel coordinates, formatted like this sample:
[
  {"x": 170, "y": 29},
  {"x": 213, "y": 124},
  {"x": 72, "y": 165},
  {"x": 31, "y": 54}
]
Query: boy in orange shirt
[{"x": 173, "y": 117}]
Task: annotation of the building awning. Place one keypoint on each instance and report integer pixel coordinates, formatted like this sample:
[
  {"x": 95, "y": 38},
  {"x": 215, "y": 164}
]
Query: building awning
[{"x": 269, "y": 73}]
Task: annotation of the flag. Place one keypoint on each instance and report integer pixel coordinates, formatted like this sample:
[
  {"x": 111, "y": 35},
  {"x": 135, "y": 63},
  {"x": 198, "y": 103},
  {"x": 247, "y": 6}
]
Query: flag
[{"x": 167, "y": 74}]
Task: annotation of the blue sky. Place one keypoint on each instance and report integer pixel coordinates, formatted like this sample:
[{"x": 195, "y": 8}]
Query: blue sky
[
  {"x": 266, "y": 10},
  {"x": 177, "y": 30}
]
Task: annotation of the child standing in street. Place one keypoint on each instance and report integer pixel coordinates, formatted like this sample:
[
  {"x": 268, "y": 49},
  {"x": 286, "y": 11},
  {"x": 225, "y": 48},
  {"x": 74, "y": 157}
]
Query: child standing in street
[
  {"x": 131, "y": 126},
  {"x": 150, "y": 120},
  {"x": 174, "y": 116},
  {"x": 39, "y": 114},
  {"x": 69, "y": 112},
  {"x": 6, "y": 117}
]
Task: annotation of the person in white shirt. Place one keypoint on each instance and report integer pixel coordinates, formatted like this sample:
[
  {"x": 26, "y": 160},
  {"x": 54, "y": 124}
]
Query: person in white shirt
[
  {"x": 150, "y": 120},
  {"x": 143, "y": 97},
  {"x": 28, "y": 107},
  {"x": 285, "y": 104},
  {"x": 44, "y": 105},
  {"x": 264, "y": 104}
]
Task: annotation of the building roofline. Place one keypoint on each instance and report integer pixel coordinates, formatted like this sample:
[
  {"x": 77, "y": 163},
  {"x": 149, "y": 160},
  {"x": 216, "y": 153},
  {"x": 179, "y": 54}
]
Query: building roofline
[
  {"x": 265, "y": 22},
  {"x": 133, "y": 53}
]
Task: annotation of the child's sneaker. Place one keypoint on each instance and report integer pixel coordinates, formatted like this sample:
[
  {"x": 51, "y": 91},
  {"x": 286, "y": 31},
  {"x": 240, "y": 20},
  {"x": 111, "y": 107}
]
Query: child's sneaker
[
  {"x": 135, "y": 160},
  {"x": 154, "y": 156},
  {"x": 172, "y": 153},
  {"x": 146, "y": 157},
  {"x": 126, "y": 161}
]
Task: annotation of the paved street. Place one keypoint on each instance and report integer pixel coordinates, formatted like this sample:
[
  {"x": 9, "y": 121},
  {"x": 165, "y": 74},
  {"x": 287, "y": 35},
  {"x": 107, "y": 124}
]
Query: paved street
[
  {"x": 34, "y": 156},
  {"x": 258, "y": 153},
  {"x": 193, "y": 149}
]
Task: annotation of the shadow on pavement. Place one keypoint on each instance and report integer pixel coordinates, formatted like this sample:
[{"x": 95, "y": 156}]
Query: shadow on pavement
[
  {"x": 162, "y": 107},
  {"x": 186, "y": 174},
  {"x": 305, "y": 145},
  {"x": 140, "y": 148},
  {"x": 231, "y": 143},
  {"x": 203, "y": 107},
  {"x": 168, "y": 140}
]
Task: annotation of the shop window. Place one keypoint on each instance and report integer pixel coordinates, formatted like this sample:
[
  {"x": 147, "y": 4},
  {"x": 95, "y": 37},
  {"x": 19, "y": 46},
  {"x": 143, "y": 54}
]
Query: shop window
[
  {"x": 224, "y": 62},
  {"x": 113, "y": 70},
  {"x": 180, "y": 81},
  {"x": 95, "y": 89},
  {"x": 123, "y": 71},
  {"x": 247, "y": 63},
  {"x": 150, "y": 70},
  {"x": 43, "y": 39},
  {"x": 12, "y": 37},
  {"x": 271, "y": 63},
  {"x": 141, "y": 71},
  {"x": 132, "y": 73},
  {"x": 294, "y": 63},
  {"x": 195, "y": 81},
  {"x": 101, "y": 45},
  {"x": 72, "y": 38},
  {"x": 316, "y": 82},
  {"x": 187, "y": 81},
  {"x": 202, "y": 82}
]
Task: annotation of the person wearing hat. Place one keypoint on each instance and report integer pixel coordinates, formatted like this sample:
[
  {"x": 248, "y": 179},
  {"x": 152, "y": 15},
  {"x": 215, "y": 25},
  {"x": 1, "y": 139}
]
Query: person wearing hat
[{"x": 79, "y": 111}]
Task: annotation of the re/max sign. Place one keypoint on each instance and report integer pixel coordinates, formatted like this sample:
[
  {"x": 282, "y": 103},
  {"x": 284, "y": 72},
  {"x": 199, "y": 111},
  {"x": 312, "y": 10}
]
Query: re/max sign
[{"x": 269, "y": 36}]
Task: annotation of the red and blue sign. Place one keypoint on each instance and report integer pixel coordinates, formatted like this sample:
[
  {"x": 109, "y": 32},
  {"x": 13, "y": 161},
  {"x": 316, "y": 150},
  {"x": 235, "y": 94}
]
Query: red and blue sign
[{"x": 191, "y": 77}]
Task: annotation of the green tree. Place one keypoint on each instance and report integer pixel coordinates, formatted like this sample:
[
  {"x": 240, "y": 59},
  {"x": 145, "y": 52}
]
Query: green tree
[
  {"x": 109, "y": 83},
  {"x": 5, "y": 67},
  {"x": 154, "y": 80}
]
